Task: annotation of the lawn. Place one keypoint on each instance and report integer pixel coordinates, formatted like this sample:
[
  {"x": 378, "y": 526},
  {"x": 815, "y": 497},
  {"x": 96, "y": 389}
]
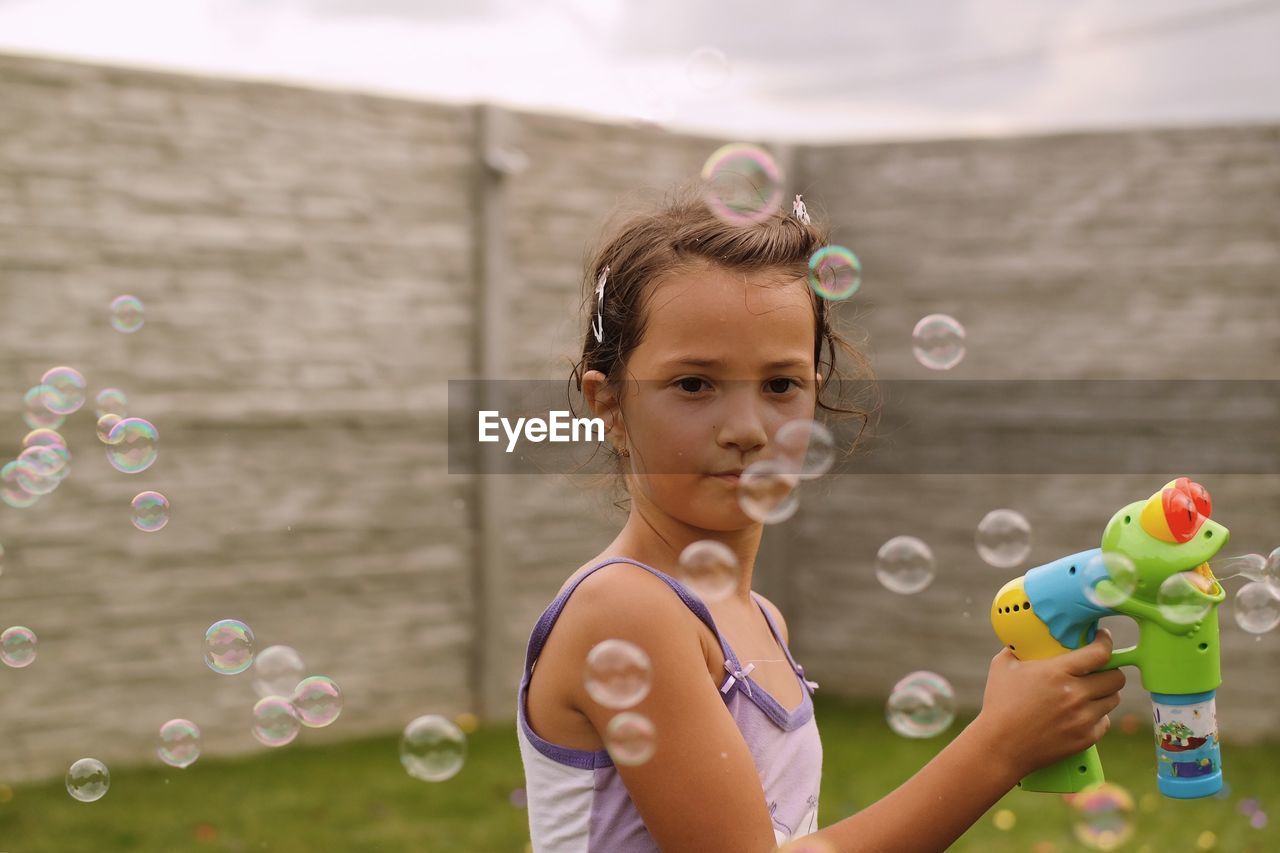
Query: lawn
[{"x": 356, "y": 797}]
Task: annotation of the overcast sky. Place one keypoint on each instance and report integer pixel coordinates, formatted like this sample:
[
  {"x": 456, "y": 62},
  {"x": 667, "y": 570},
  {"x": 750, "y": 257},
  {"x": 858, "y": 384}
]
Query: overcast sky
[{"x": 803, "y": 70}]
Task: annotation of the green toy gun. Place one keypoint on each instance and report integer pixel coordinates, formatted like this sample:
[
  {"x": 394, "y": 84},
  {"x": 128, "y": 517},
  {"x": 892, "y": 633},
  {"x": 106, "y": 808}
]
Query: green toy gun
[{"x": 1153, "y": 566}]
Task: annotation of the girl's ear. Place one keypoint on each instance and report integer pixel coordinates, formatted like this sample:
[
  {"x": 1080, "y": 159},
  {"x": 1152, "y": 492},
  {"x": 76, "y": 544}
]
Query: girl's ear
[{"x": 603, "y": 402}]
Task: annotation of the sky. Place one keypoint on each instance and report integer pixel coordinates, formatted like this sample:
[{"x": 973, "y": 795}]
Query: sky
[{"x": 759, "y": 70}]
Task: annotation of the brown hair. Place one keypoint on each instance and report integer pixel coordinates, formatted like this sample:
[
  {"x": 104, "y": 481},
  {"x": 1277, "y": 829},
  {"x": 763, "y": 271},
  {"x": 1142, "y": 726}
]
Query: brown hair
[{"x": 678, "y": 233}]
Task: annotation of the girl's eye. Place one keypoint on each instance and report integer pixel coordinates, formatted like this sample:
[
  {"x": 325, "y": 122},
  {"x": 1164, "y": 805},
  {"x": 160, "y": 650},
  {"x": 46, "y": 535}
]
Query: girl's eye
[
  {"x": 788, "y": 383},
  {"x": 684, "y": 384}
]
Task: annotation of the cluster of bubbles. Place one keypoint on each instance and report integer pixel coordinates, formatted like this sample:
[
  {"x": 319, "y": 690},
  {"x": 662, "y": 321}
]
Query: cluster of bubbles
[
  {"x": 744, "y": 185},
  {"x": 1252, "y": 810},
  {"x": 431, "y": 748},
  {"x": 767, "y": 488},
  {"x": 1257, "y": 603},
  {"x": 1181, "y": 597},
  {"x": 44, "y": 461},
  {"x": 906, "y": 565},
  {"x": 287, "y": 700},
  {"x": 618, "y": 675},
  {"x": 921, "y": 705}
]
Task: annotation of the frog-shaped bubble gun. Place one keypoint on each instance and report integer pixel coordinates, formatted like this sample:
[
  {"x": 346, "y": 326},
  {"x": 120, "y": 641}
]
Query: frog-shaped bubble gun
[{"x": 1153, "y": 566}]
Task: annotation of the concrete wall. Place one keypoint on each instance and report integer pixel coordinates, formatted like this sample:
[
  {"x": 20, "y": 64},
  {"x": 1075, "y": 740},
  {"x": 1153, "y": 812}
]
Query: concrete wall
[{"x": 316, "y": 265}]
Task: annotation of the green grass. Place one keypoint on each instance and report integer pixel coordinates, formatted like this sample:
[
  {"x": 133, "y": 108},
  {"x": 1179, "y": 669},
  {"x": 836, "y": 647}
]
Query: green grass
[{"x": 355, "y": 797}]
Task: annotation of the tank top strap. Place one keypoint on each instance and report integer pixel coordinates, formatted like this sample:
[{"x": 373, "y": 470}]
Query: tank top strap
[
  {"x": 786, "y": 650},
  {"x": 542, "y": 629}
]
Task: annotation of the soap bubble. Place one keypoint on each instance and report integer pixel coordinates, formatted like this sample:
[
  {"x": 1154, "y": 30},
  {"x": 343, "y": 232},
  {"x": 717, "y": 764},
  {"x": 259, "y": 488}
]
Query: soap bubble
[
  {"x": 65, "y": 394},
  {"x": 709, "y": 569},
  {"x": 43, "y": 437},
  {"x": 277, "y": 671},
  {"x": 11, "y": 489},
  {"x": 630, "y": 739},
  {"x": 767, "y": 491},
  {"x": 938, "y": 342},
  {"x": 807, "y": 447},
  {"x": 318, "y": 701},
  {"x": 1103, "y": 816},
  {"x": 275, "y": 722},
  {"x": 228, "y": 647},
  {"x": 1122, "y": 573},
  {"x": 1003, "y": 538},
  {"x": 1271, "y": 570},
  {"x": 132, "y": 445},
  {"x": 105, "y": 424},
  {"x": 922, "y": 704},
  {"x": 1182, "y": 597},
  {"x": 127, "y": 313},
  {"x": 34, "y": 412},
  {"x": 617, "y": 674},
  {"x": 707, "y": 68},
  {"x": 17, "y": 646},
  {"x": 835, "y": 273},
  {"x": 111, "y": 401},
  {"x": 88, "y": 780},
  {"x": 39, "y": 468},
  {"x": 179, "y": 743},
  {"x": 150, "y": 511},
  {"x": 432, "y": 748},
  {"x": 905, "y": 565},
  {"x": 742, "y": 184},
  {"x": 1257, "y": 607}
]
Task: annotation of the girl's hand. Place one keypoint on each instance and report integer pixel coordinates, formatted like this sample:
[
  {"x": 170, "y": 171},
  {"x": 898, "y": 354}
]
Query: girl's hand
[{"x": 1037, "y": 712}]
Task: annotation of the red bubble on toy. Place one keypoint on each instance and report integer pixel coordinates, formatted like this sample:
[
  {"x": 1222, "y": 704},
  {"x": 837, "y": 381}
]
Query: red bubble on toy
[
  {"x": 1199, "y": 495},
  {"x": 1181, "y": 515}
]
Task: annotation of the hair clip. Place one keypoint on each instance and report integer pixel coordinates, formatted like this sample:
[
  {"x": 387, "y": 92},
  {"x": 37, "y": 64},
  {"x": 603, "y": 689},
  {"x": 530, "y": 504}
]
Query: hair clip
[
  {"x": 799, "y": 211},
  {"x": 597, "y": 324}
]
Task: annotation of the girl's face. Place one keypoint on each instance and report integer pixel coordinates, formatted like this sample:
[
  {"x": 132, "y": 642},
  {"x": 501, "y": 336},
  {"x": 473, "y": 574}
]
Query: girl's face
[{"x": 726, "y": 359}]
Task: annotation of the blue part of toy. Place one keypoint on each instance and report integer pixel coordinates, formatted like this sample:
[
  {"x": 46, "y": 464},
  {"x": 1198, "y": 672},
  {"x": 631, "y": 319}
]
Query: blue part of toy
[
  {"x": 1057, "y": 594},
  {"x": 1188, "y": 753}
]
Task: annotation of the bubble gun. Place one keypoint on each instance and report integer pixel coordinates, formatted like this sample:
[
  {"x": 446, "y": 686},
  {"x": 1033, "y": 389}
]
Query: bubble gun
[{"x": 1153, "y": 567}]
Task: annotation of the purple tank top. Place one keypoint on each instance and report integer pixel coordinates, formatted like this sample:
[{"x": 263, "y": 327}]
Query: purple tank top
[{"x": 578, "y": 802}]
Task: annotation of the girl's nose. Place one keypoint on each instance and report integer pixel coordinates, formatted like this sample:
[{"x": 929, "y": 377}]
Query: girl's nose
[{"x": 743, "y": 426}]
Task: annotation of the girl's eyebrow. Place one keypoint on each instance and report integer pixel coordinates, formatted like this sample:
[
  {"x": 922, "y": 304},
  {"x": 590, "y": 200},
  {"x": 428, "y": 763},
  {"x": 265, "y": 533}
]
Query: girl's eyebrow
[{"x": 715, "y": 362}]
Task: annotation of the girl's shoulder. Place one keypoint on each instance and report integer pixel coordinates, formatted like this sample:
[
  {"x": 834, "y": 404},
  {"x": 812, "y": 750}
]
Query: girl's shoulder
[{"x": 626, "y": 601}]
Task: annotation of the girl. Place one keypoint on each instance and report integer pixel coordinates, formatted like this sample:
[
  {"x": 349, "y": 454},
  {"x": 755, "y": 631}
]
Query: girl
[{"x": 705, "y": 338}]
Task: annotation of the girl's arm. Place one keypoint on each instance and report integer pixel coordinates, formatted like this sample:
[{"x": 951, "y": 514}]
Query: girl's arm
[
  {"x": 1033, "y": 713},
  {"x": 700, "y": 790}
]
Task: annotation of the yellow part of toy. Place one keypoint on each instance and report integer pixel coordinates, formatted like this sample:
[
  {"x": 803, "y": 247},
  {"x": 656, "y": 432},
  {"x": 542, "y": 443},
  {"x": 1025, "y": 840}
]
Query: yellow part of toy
[
  {"x": 1153, "y": 520},
  {"x": 1019, "y": 628}
]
